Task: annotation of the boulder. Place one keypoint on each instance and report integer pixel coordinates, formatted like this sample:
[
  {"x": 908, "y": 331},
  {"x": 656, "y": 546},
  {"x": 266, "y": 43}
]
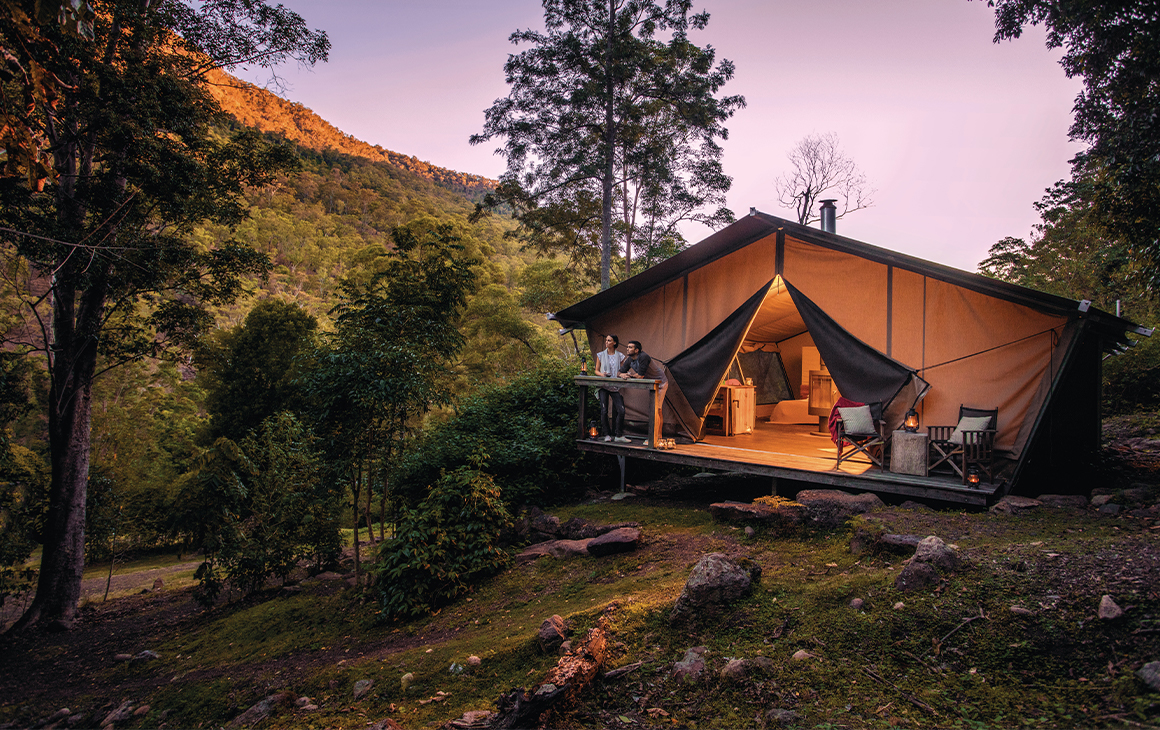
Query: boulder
[
  {"x": 622, "y": 540},
  {"x": 1150, "y": 675},
  {"x": 915, "y": 576},
  {"x": 857, "y": 604},
  {"x": 735, "y": 671},
  {"x": 778, "y": 716},
  {"x": 543, "y": 525},
  {"x": 361, "y": 688},
  {"x": 1109, "y": 610},
  {"x": 1137, "y": 494},
  {"x": 715, "y": 581},
  {"x": 568, "y": 548},
  {"x": 1099, "y": 500},
  {"x": 1069, "y": 501},
  {"x": 933, "y": 551},
  {"x": 692, "y": 667},
  {"x": 832, "y": 507},
  {"x": 551, "y": 634},
  {"x": 1012, "y": 505},
  {"x": 785, "y": 515},
  {"x": 261, "y": 710},
  {"x": 578, "y": 528}
]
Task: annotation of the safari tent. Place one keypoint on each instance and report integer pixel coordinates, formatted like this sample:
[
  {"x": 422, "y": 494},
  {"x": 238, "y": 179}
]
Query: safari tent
[{"x": 763, "y": 296}]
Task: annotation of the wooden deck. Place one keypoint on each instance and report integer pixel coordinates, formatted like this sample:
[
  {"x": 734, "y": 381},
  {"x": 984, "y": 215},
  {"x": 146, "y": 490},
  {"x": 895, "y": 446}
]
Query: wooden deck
[{"x": 792, "y": 452}]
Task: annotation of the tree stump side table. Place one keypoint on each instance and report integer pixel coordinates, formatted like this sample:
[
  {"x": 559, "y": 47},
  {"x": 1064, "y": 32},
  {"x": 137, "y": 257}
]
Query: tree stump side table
[{"x": 908, "y": 453}]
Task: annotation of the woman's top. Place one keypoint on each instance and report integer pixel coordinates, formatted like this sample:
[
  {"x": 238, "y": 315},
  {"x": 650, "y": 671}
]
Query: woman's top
[{"x": 610, "y": 366}]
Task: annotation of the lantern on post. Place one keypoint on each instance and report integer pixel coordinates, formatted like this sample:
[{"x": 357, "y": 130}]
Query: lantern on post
[{"x": 910, "y": 425}]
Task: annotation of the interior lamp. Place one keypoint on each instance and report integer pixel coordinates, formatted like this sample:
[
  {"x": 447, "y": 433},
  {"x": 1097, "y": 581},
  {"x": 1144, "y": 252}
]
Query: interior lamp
[
  {"x": 910, "y": 425},
  {"x": 973, "y": 476}
]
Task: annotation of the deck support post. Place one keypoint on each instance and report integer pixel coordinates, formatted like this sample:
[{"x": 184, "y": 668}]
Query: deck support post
[
  {"x": 583, "y": 425},
  {"x": 773, "y": 486},
  {"x": 623, "y": 486}
]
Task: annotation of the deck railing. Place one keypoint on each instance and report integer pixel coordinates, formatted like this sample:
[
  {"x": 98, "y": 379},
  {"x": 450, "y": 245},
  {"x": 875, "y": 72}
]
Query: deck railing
[{"x": 595, "y": 381}]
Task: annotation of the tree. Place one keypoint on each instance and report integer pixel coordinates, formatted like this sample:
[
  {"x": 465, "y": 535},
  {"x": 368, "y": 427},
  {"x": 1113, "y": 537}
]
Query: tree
[
  {"x": 135, "y": 165},
  {"x": 821, "y": 169},
  {"x": 1115, "y": 48},
  {"x": 249, "y": 371},
  {"x": 602, "y": 114}
]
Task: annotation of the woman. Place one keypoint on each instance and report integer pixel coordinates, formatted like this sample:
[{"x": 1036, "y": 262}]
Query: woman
[{"x": 608, "y": 363}]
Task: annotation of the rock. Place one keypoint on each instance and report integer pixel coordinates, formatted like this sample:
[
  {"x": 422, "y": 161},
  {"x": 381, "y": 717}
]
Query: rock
[
  {"x": 80, "y": 717},
  {"x": 735, "y": 671},
  {"x": 916, "y": 506},
  {"x": 899, "y": 606},
  {"x": 146, "y": 656},
  {"x": 749, "y": 531},
  {"x": 568, "y": 548},
  {"x": 933, "y": 551},
  {"x": 762, "y": 664},
  {"x": 1150, "y": 675},
  {"x": 474, "y": 661},
  {"x": 801, "y": 655},
  {"x": 122, "y": 713},
  {"x": 1108, "y": 609},
  {"x": 856, "y": 604},
  {"x": 406, "y": 680},
  {"x": 621, "y": 496},
  {"x": 564, "y": 648},
  {"x": 544, "y": 524},
  {"x": 778, "y": 716},
  {"x": 361, "y": 688},
  {"x": 302, "y": 702},
  {"x": 1110, "y": 509},
  {"x": 622, "y": 540},
  {"x": 122, "y": 657},
  {"x": 1137, "y": 494},
  {"x": 1071, "y": 501},
  {"x": 57, "y": 716},
  {"x": 472, "y": 720},
  {"x": 309, "y": 708},
  {"x": 578, "y": 528},
  {"x": 1012, "y": 505},
  {"x": 692, "y": 667},
  {"x": 715, "y": 581},
  {"x": 158, "y": 584},
  {"x": 832, "y": 507},
  {"x": 551, "y": 634},
  {"x": 785, "y": 515},
  {"x": 1099, "y": 500},
  {"x": 261, "y": 710},
  {"x": 915, "y": 576},
  {"x": 141, "y": 711},
  {"x": 1020, "y": 611}
]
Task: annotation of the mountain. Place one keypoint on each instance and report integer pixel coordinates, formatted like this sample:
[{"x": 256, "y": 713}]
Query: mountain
[{"x": 256, "y": 107}]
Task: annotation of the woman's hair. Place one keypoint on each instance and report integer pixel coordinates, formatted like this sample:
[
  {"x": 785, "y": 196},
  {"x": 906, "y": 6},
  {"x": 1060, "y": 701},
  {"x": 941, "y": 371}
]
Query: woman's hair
[{"x": 615, "y": 341}]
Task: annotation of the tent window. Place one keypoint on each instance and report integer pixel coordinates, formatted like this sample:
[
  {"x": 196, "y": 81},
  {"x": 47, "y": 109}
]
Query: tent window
[{"x": 770, "y": 379}]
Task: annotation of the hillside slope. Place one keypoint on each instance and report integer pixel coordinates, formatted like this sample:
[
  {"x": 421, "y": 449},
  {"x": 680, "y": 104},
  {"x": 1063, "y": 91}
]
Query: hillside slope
[{"x": 258, "y": 108}]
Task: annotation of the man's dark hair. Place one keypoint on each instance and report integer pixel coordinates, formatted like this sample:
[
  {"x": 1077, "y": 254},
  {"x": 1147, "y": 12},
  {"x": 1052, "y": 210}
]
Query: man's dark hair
[{"x": 636, "y": 344}]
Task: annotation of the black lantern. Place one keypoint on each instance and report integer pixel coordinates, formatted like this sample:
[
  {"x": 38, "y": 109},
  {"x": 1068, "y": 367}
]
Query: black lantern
[
  {"x": 593, "y": 430},
  {"x": 910, "y": 425},
  {"x": 973, "y": 476}
]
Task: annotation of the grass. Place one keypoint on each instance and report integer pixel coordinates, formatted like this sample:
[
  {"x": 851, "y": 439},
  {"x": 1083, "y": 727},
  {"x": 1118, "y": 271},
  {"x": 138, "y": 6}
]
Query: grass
[{"x": 951, "y": 657}]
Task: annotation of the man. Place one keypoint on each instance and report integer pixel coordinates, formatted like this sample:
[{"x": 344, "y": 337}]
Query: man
[{"x": 637, "y": 364}]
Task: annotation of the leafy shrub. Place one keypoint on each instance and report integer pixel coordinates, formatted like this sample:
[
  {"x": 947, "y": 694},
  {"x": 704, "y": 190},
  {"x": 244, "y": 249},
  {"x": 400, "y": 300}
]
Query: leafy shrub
[
  {"x": 24, "y": 479},
  {"x": 444, "y": 545},
  {"x": 526, "y": 425},
  {"x": 1132, "y": 380}
]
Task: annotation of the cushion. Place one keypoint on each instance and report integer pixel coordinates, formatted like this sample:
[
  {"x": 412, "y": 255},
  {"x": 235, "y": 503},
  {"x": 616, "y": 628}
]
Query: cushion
[
  {"x": 857, "y": 419},
  {"x": 969, "y": 423}
]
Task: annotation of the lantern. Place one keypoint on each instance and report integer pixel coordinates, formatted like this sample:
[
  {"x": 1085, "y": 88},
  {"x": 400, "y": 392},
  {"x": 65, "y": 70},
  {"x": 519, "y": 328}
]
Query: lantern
[
  {"x": 911, "y": 423},
  {"x": 973, "y": 476},
  {"x": 593, "y": 430}
]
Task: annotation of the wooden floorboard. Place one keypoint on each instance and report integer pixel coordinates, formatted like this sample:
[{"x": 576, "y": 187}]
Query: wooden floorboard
[{"x": 793, "y": 452}]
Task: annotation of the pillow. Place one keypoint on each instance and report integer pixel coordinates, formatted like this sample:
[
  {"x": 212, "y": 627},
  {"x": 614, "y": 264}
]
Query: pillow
[
  {"x": 857, "y": 419},
  {"x": 969, "y": 423}
]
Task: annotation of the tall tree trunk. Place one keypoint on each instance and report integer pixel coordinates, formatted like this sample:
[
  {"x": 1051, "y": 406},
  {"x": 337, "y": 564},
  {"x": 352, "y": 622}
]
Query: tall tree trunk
[{"x": 609, "y": 155}]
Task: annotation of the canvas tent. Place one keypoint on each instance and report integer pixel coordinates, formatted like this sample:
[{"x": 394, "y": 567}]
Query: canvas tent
[{"x": 890, "y": 327}]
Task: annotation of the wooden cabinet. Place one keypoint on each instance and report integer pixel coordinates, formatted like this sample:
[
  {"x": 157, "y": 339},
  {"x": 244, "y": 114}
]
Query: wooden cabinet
[{"x": 734, "y": 411}]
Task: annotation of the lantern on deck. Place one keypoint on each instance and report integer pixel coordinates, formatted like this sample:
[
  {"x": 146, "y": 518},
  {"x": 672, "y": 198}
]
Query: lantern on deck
[
  {"x": 910, "y": 425},
  {"x": 593, "y": 430},
  {"x": 973, "y": 476}
]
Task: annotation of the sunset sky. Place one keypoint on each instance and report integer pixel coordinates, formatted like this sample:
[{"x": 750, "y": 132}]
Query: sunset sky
[{"x": 960, "y": 136}]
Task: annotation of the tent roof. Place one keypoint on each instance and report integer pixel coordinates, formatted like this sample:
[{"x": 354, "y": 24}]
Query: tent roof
[{"x": 757, "y": 226}]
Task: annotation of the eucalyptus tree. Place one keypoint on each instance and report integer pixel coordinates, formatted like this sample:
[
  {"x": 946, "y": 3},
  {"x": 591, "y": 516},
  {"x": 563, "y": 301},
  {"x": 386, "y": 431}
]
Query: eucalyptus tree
[
  {"x": 134, "y": 161},
  {"x": 604, "y": 113},
  {"x": 822, "y": 169}
]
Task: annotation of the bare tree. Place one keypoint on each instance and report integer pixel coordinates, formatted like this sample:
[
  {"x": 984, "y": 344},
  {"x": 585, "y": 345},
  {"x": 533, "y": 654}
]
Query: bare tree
[{"x": 822, "y": 170}]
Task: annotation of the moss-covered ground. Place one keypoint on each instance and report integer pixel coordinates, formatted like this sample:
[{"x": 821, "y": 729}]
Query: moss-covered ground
[{"x": 952, "y": 656}]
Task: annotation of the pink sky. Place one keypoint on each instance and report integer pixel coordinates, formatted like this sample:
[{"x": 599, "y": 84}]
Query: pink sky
[{"x": 959, "y": 135}]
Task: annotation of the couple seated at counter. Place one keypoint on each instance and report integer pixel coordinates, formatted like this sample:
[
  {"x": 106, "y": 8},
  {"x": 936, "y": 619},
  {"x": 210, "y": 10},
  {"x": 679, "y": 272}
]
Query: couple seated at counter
[{"x": 633, "y": 363}]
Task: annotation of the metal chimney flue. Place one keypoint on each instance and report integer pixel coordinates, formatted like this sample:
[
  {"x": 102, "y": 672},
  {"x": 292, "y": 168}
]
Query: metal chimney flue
[{"x": 829, "y": 215}]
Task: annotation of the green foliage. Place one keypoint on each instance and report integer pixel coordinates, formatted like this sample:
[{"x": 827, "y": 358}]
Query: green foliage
[
  {"x": 1115, "y": 49},
  {"x": 603, "y": 115},
  {"x": 258, "y": 508},
  {"x": 527, "y": 427},
  {"x": 24, "y": 481},
  {"x": 1132, "y": 379},
  {"x": 249, "y": 372},
  {"x": 448, "y": 542}
]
